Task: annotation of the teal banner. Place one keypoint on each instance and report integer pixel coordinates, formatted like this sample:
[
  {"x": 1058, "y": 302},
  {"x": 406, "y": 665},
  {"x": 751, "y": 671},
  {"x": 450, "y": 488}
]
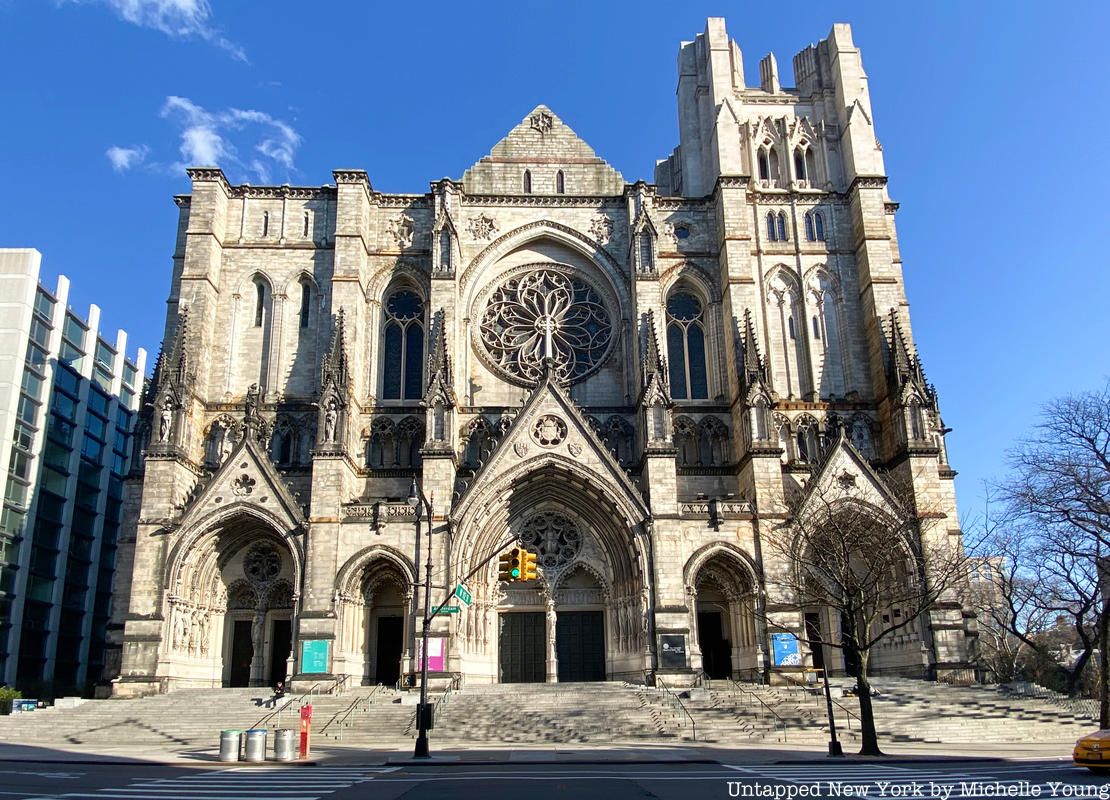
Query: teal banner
[{"x": 314, "y": 656}]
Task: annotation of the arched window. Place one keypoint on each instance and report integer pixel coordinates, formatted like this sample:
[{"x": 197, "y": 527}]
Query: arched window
[
  {"x": 265, "y": 223},
  {"x": 686, "y": 347},
  {"x": 560, "y": 182},
  {"x": 782, "y": 429},
  {"x": 761, "y": 160},
  {"x": 800, "y": 164},
  {"x": 808, "y": 444},
  {"x": 782, "y": 227},
  {"x": 816, "y": 328},
  {"x": 306, "y": 303},
  {"x": 528, "y": 181},
  {"x": 403, "y": 347},
  {"x": 259, "y": 302},
  {"x": 773, "y": 164},
  {"x": 772, "y": 233},
  {"x": 811, "y": 234},
  {"x": 811, "y": 166},
  {"x": 819, "y": 226},
  {"x": 282, "y": 446}
]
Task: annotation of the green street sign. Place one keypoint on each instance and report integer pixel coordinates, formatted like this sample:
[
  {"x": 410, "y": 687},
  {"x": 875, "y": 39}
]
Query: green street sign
[
  {"x": 446, "y": 610},
  {"x": 462, "y": 594}
]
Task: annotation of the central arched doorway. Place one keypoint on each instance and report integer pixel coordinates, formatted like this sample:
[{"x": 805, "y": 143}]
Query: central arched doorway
[
  {"x": 231, "y": 606},
  {"x": 585, "y": 617}
]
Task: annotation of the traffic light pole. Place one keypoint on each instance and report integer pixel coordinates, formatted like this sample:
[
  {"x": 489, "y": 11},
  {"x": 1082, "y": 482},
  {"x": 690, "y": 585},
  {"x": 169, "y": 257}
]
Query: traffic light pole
[{"x": 417, "y": 499}]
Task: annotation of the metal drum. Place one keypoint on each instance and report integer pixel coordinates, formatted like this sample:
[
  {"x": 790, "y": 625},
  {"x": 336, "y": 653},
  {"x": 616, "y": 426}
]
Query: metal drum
[{"x": 255, "y": 749}]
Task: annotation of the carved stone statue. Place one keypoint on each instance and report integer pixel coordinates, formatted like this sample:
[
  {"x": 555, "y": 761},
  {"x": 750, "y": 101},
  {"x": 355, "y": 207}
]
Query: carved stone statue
[
  {"x": 226, "y": 445},
  {"x": 165, "y": 423},
  {"x": 331, "y": 417},
  {"x": 250, "y": 410}
]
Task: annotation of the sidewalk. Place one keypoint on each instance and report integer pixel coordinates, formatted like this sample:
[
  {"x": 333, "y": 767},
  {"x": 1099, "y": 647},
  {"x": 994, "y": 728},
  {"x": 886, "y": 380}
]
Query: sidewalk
[{"x": 331, "y": 754}]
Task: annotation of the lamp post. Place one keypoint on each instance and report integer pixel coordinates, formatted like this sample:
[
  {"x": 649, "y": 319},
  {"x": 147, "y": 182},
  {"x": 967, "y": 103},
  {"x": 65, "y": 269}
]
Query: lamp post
[
  {"x": 418, "y": 501},
  {"x": 834, "y": 745}
]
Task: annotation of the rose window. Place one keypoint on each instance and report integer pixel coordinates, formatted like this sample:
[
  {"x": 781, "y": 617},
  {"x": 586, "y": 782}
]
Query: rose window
[
  {"x": 262, "y": 564},
  {"x": 542, "y": 314},
  {"x": 554, "y": 537}
]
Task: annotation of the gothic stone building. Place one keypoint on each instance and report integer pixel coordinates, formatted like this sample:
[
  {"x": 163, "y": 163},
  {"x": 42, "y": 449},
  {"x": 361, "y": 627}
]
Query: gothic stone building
[{"x": 627, "y": 378}]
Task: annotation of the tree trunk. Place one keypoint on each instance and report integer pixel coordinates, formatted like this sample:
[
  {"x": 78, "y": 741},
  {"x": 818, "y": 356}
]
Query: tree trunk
[
  {"x": 1103, "y": 668},
  {"x": 1103, "y": 643},
  {"x": 869, "y": 737}
]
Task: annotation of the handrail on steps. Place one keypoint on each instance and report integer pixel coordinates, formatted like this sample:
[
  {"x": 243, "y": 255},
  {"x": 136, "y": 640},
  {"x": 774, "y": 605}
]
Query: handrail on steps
[
  {"x": 288, "y": 704},
  {"x": 763, "y": 707},
  {"x": 815, "y": 693},
  {"x": 676, "y": 701},
  {"x": 340, "y": 720}
]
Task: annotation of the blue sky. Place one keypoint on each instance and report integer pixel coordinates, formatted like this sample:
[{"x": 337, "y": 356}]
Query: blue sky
[{"x": 992, "y": 116}]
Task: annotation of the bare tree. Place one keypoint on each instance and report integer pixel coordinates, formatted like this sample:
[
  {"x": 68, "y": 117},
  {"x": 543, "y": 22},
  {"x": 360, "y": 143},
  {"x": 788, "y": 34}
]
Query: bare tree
[
  {"x": 1060, "y": 486},
  {"x": 877, "y": 562}
]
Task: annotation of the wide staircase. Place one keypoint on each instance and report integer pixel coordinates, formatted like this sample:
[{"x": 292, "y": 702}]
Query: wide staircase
[
  {"x": 723, "y": 712},
  {"x": 557, "y": 713}
]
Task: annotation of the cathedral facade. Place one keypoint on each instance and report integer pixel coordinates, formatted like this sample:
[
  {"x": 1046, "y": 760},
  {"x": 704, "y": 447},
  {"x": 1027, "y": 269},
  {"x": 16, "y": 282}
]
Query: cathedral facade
[{"x": 630, "y": 379}]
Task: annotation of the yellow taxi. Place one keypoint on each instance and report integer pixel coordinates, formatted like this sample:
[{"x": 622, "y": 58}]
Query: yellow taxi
[{"x": 1093, "y": 751}]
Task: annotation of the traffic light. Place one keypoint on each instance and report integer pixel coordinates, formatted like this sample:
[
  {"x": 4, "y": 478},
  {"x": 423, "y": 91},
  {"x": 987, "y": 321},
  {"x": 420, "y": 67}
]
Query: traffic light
[
  {"x": 528, "y": 566},
  {"x": 516, "y": 563},
  {"x": 504, "y": 570}
]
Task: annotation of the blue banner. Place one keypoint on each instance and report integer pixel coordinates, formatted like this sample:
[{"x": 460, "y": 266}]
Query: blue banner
[{"x": 784, "y": 650}]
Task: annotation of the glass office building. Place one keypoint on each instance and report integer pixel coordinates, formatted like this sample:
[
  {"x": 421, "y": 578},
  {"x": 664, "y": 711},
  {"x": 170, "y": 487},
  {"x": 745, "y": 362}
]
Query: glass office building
[{"x": 68, "y": 403}]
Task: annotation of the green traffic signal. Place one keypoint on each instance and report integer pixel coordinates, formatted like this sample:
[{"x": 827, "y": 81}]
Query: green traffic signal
[{"x": 516, "y": 573}]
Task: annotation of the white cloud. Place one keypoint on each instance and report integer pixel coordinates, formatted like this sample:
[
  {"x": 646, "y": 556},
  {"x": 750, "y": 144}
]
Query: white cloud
[
  {"x": 124, "y": 158},
  {"x": 181, "y": 19},
  {"x": 216, "y": 138}
]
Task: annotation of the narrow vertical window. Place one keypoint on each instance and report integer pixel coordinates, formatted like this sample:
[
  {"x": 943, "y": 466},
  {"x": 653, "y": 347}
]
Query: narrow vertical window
[
  {"x": 403, "y": 347},
  {"x": 799, "y": 164},
  {"x": 265, "y": 223},
  {"x": 819, "y": 226},
  {"x": 259, "y": 303},
  {"x": 560, "y": 184},
  {"x": 646, "y": 261},
  {"x": 686, "y": 347},
  {"x": 790, "y": 327},
  {"x": 527, "y": 181},
  {"x": 811, "y": 166},
  {"x": 811, "y": 235},
  {"x": 445, "y": 250},
  {"x": 764, "y": 172},
  {"x": 773, "y": 163},
  {"x": 306, "y": 303},
  {"x": 782, "y": 227},
  {"x": 771, "y": 226},
  {"x": 306, "y": 224},
  {"x": 816, "y": 329}
]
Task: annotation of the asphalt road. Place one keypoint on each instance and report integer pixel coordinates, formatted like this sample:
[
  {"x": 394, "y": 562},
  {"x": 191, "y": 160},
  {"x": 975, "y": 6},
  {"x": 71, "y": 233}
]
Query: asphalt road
[{"x": 952, "y": 779}]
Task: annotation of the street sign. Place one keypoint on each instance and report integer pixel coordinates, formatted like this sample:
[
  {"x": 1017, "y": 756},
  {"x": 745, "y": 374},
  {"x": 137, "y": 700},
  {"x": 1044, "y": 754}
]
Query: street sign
[
  {"x": 445, "y": 610},
  {"x": 462, "y": 594}
]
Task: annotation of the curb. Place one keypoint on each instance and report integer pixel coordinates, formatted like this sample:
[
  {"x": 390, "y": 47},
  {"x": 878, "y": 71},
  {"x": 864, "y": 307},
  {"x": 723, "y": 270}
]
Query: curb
[
  {"x": 134, "y": 762},
  {"x": 554, "y": 761},
  {"x": 891, "y": 760}
]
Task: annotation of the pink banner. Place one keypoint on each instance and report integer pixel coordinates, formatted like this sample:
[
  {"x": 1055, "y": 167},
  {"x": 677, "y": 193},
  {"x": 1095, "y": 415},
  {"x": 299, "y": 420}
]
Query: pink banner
[{"x": 435, "y": 654}]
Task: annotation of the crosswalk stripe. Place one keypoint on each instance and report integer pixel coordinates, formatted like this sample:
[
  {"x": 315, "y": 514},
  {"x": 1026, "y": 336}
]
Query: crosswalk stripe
[{"x": 237, "y": 783}]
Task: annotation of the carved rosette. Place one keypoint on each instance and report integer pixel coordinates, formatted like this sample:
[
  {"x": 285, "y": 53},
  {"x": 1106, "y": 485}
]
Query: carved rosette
[
  {"x": 549, "y": 431},
  {"x": 482, "y": 227}
]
